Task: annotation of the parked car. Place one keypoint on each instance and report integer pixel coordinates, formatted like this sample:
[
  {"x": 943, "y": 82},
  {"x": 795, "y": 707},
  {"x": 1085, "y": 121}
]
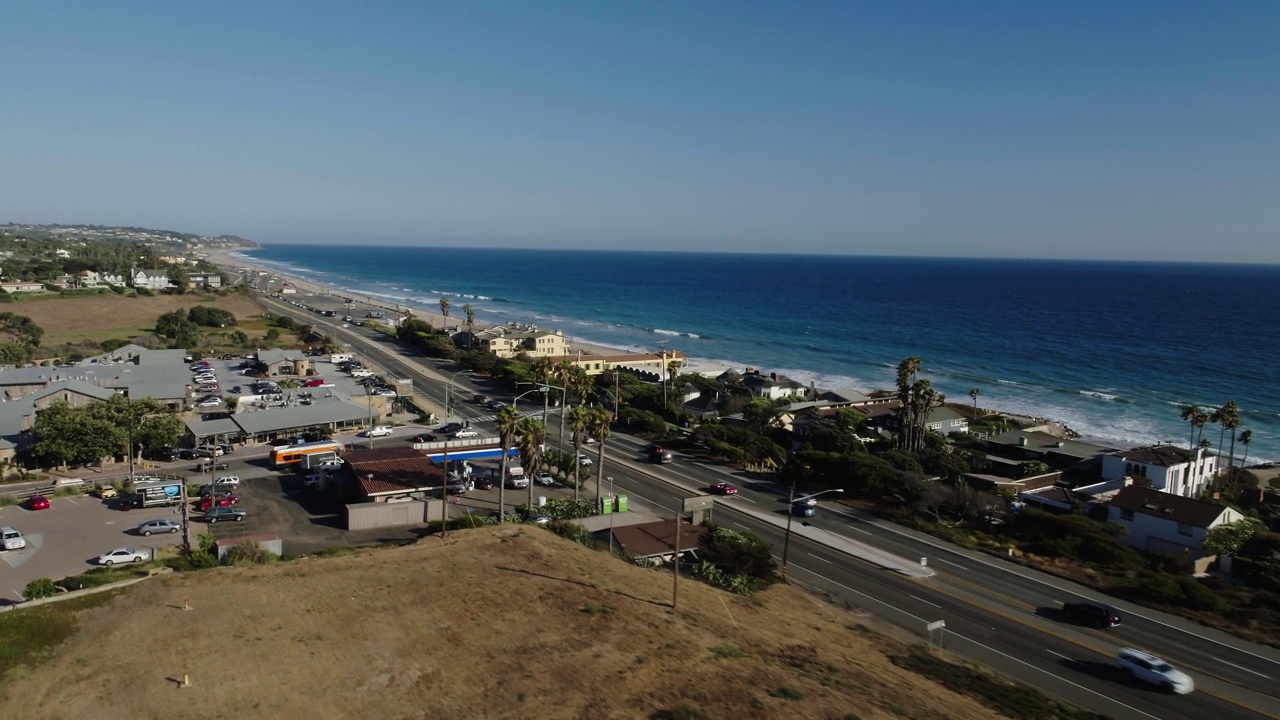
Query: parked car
[
  {"x": 313, "y": 382},
  {"x": 187, "y": 454},
  {"x": 723, "y": 489},
  {"x": 218, "y": 501},
  {"x": 227, "y": 481},
  {"x": 213, "y": 515},
  {"x": 330, "y": 464},
  {"x": 210, "y": 451},
  {"x": 456, "y": 487},
  {"x": 235, "y": 390},
  {"x": 482, "y": 483},
  {"x": 1151, "y": 669},
  {"x": 378, "y": 431},
  {"x": 227, "y": 448},
  {"x": 11, "y": 539},
  {"x": 122, "y": 555},
  {"x": 466, "y": 433},
  {"x": 38, "y": 502},
  {"x": 210, "y": 402},
  {"x": 1092, "y": 613},
  {"x": 544, "y": 478},
  {"x": 106, "y": 492},
  {"x": 158, "y": 526}
]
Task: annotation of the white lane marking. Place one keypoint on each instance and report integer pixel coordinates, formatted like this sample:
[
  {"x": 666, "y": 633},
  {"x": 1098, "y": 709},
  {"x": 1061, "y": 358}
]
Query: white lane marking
[
  {"x": 864, "y": 532},
  {"x": 735, "y": 522},
  {"x": 1012, "y": 571},
  {"x": 1064, "y": 657},
  {"x": 1224, "y": 662},
  {"x": 926, "y": 602},
  {"x": 744, "y": 497},
  {"x": 951, "y": 563},
  {"x": 815, "y": 557}
]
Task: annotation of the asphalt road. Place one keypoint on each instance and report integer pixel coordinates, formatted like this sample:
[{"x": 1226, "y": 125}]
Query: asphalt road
[{"x": 998, "y": 614}]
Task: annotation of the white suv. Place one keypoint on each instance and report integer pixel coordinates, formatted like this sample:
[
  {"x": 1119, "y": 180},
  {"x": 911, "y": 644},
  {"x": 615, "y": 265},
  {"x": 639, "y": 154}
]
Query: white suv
[
  {"x": 1151, "y": 669},
  {"x": 228, "y": 481},
  {"x": 378, "y": 431},
  {"x": 11, "y": 539}
]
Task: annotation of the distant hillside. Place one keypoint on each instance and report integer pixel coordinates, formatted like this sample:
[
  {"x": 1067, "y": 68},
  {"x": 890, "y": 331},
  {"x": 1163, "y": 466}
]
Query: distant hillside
[
  {"x": 89, "y": 232},
  {"x": 510, "y": 622}
]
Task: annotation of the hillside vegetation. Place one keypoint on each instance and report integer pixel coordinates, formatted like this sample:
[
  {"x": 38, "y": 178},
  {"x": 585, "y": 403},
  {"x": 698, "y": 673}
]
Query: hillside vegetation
[{"x": 491, "y": 623}]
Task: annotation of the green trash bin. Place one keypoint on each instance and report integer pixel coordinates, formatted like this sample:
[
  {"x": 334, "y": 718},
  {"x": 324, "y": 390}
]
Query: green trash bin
[
  {"x": 622, "y": 503},
  {"x": 606, "y": 506}
]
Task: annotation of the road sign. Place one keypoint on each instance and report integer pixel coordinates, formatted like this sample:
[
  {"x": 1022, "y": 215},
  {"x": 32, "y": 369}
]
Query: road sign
[
  {"x": 699, "y": 502},
  {"x": 940, "y": 624}
]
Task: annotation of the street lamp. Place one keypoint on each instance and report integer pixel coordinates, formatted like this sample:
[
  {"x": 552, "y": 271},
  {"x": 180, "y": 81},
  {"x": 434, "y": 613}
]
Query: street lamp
[
  {"x": 446, "y": 394},
  {"x": 613, "y": 510},
  {"x": 791, "y": 504}
]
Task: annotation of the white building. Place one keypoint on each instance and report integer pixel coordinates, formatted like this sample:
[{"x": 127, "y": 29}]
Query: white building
[
  {"x": 1163, "y": 523},
  {"x": 153, "y": 280},
  {"x": 1166, "y": 468}
]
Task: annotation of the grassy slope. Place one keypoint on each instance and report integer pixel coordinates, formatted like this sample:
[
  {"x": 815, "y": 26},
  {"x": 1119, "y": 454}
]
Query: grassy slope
[{"x": 493, "y": 623}]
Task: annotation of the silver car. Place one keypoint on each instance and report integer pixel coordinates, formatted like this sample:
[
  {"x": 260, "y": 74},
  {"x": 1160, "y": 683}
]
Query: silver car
[{"x": 160, "y": 525}]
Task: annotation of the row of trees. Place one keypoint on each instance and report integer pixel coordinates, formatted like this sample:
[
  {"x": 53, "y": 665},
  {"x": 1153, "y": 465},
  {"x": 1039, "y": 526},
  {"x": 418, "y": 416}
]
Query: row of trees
[
  {"x": 529, "y": 436},
  {"x": 1227, "y": 418},
  {"x": 67, "y": 435}
]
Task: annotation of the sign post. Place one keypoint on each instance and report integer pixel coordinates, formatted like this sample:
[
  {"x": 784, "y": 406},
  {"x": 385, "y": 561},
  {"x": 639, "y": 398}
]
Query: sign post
[{"x": 939, "y": 626}]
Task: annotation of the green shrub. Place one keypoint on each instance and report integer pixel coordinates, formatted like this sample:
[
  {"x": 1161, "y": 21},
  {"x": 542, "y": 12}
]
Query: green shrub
[
  {"x": 1161, "y": 589},
  {"x": 96, "y": 577},
  {"x": 248, "y": 554},
  {"x": 39, "y": 588},
  {"x": 1198, "y": 597}
]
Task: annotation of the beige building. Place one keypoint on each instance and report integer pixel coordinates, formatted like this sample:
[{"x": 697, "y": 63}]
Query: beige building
[
  {"x": 508, "y": 342},
  {"x": 655, "y": 364}
]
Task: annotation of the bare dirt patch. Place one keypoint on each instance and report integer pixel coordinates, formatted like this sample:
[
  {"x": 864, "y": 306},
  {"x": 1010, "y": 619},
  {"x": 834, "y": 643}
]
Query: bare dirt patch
[
  {"x": 492, "y": 623},
  {"x": 102, "y": 317}
]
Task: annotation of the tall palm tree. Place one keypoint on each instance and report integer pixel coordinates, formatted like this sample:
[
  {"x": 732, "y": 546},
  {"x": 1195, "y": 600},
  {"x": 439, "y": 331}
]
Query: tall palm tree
[
  {"x": 1231, "y": 422},
  {"x": 1223, "y": 417},
  {"x": 1191, "y": 413},
  {"x": 973, "y": 393},
  {"x": 532, "y": 436},
  {"x": 907, "y": 370},
  {"x": 507, "y": 421},
  {"x": 471, "y": 323},
  {"x": 444, "y": 309},
  {"x": 562, "y": 372},
  {"x": 1246, "y": 437},
  {"x": 1200, "y": 419},
  {"x": 579, "y": 419},
  {"x": 598, "y": 424}
]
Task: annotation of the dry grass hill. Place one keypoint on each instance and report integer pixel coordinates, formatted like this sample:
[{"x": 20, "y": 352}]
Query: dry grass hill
[{"x": 491, "y": 623}]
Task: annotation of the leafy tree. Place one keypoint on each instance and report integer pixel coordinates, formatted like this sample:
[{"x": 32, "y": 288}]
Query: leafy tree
[
  {"x": 211, "y": 316},
  {"x": 20, "y": 330},
  {"x": 739, "y": 553},
  {"x": 68, "y": 436},
  {"x": 759, "y": 415},
  {"x": 1227, "y": 539},
  {"x": 1032, "y": 468},
  {"x": 177, "y": 279},
  {"x": 579, "y": 418},
  {"x": 471, "y": 323}
]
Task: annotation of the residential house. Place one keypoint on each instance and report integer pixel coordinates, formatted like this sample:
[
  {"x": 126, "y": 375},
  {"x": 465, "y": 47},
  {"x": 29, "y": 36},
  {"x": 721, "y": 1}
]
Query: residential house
[
  {"x": 772, "y": 386},
  {"x": 944, "y": 421},
  {"x": 203, "y": 281},
  {"x": 284, "y": 362},
  {"x": 508, "y": 341},
  {"x": 1166, "y": 468},
  {"x": 149, "y": 279},
  {"x": 67, "y": 282},
  {"x": 1161, "y": 522},
  {"x": 705, "y": 406},
  {"x": 650, "y": 367},
  {"x": 62, "y": 253},
  {"x": 90, "y": 278},
  {"x": 21, "y": 286}
]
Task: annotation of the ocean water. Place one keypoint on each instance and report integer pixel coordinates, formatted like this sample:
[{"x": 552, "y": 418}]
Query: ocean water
[{"x": 1111, "y": 349}]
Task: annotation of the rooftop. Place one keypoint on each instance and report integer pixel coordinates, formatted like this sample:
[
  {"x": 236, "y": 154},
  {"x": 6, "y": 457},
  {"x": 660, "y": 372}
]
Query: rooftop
[{"x": 1189, "y": 511}]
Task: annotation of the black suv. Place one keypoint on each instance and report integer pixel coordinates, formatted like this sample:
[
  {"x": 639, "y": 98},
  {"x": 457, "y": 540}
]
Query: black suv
[{"x": 1092, "y": 613}]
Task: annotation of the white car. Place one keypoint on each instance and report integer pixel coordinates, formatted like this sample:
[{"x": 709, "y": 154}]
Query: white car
[
  {"x": 583, "y": 460},
  {"x": 1151, "y": 669},
  {"x": 466, "y": 433},
  {"x": 378, "y": 431},
  {"x": 11, "y": 539},
  {"x": 228, "y": 480},
  {"x": 330, "y": 465},
  {"x": 210, "y": 402},
  {"x": 123, "y": 555},
  {"x": 544, "y": 478}
]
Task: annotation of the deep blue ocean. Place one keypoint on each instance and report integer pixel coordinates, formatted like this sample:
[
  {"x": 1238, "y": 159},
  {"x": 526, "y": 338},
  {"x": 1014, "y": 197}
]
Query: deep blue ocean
[{"x": 1111, "y": 349}]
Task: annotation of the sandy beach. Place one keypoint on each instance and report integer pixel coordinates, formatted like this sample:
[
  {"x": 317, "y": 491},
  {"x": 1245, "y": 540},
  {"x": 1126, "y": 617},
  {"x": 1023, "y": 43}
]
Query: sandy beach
[{"x": 456, "y": 320}]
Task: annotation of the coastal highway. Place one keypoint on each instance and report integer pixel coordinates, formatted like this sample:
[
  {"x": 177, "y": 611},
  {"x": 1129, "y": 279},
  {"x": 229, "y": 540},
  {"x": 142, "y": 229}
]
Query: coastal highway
[{"x": 1001, "y": 616}]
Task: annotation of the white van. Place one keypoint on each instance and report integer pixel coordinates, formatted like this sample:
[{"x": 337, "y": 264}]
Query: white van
[
  {"x": 340, "y": 357},
  {"x": 11, "y": 539}
]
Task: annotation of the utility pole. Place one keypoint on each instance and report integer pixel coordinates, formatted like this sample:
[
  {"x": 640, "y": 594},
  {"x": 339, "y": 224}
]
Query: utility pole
[
  {"x": 675, "y": 576},
  {"x": 662, "y": 344},
  {"x": 444, "y": 494}
]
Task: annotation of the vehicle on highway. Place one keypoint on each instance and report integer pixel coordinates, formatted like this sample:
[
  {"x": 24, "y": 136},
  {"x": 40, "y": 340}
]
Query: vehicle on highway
[
  {"x": 158, "y": 526},
  {"x": 11, "y": 539},
  {"x": 204, "y": 466},
  {"x": 658, "y": 454},
  {"x": 479, "y": 398},
  {"x": 1092, "y": 613},
  {"x": 584, "y": 460},
  {"x": 803, "y": 509},
  {"x": 1150, "y": 669},
  {"x": 722, "y": 488},
  {"x": 378, "y": 431},
  {"x": 38, "y": 502},
  {"x": 213, "y": 515},
  {"x": 423, "y": 437},
  {"x": 544, "y": 478},
  {"x": 123, "y": 555},
  {"x": 466, "y": 433},
  {"x": 495, "y": 404}
]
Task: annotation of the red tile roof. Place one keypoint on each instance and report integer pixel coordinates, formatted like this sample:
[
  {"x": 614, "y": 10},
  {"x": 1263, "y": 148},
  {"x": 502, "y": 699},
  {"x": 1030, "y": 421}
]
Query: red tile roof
[{"x": 396, "y": 469}]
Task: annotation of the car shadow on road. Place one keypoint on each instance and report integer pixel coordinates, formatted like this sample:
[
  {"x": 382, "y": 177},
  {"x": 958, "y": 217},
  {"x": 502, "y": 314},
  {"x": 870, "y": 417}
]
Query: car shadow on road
[
  {"x": 1106, "y": 672},
  {"x": 581, "y": 583}
]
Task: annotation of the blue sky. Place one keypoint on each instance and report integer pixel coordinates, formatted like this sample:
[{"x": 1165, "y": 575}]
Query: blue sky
[{"x": 1085, "y": 130}]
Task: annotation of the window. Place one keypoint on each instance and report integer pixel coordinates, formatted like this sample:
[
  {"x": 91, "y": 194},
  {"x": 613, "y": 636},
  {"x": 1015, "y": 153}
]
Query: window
[
  {"x": 1126, "y": 514},
  {"x": 1184, "y": 529}
]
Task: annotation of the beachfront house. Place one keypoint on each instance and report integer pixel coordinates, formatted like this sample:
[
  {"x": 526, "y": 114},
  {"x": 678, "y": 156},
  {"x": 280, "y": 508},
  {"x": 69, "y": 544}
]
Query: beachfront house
[
  {"x": 1165, "y": 468},
  {"x": 149, "y": 279},
  {"x": 649, "y": 367},
  {"x": 509, "y": 341},
  {"x": 1164, "y": 523},
  {"x": 772, "y": 386},
  {"x": 944, "y": 421}
]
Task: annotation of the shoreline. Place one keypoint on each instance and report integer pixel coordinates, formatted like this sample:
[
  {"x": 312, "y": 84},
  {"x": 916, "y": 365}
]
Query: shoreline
[{"x": 225, "y": 258}]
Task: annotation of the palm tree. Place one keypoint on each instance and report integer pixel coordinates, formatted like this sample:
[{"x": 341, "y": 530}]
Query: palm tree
[
  {"x": 507, "y": 421},
  {"x": 579, "y": 418},
  {"x": 598, "y": 424},
  {"x": 1246, "y": 437},
  {"x": 1191, "y": 413},
  {"x": 563, "y": 371},
  {"x": 532, "y": 436},
  {"x": 444, "y": 309},
  {"x": 1224, "y": 416},
  {"x": 973, "y": 393},
  {"x": 1231, "y": 422},
  {"x": 1200, "y": 419},
  {"x": 907, "y": 370},
  {"x": 471, "y": 323}
]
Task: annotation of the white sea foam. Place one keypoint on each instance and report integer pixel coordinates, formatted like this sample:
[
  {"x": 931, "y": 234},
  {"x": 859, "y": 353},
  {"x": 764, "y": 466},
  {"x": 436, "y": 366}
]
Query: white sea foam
[
  {"x": 1098, "y": 394},
  {"x": 672, "y": 333}
]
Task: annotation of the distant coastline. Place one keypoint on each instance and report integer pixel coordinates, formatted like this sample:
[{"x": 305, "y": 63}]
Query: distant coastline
[{"x": 1069, "y": 341}]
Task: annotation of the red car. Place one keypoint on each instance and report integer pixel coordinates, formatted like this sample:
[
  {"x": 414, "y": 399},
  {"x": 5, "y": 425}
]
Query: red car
[
  {"x": 723, "y": 489},
  {"x": 38, "y": 502},
  {"x": 314, "y": 382},
  {"x": 223, "y": 501}
]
